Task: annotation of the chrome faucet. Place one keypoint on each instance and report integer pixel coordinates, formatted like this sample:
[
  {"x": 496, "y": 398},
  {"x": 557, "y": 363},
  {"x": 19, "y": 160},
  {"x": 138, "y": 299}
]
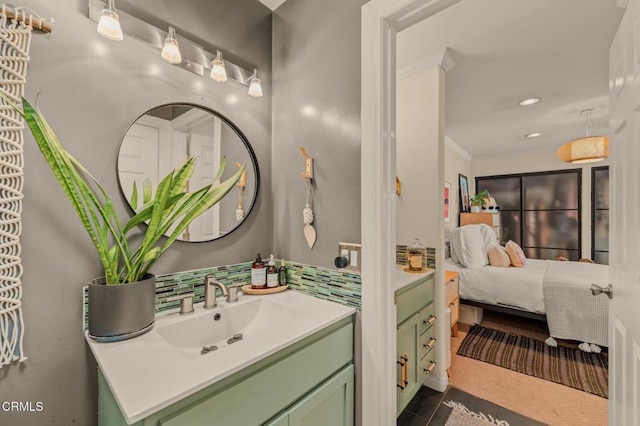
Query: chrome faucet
[{"x": 210, "y": 285}]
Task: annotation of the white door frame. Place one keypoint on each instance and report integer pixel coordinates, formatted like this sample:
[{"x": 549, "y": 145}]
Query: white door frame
[{"x": 381, "y": 20}]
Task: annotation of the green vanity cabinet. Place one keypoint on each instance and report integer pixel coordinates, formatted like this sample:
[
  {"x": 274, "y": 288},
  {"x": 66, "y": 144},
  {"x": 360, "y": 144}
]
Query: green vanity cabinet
[
  {"x": 308, "y": 383},
  {"x": 415, "y": 338}
]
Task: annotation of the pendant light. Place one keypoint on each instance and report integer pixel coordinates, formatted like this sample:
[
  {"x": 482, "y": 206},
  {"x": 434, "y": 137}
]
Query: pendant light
[
  {"x": 218, "y": 72},
  {"x": 109, "y": 23},
  {"x": 255, "y": 86},
  {"x": 171, "y": 51},
  {"x": 588, "y": 149}
]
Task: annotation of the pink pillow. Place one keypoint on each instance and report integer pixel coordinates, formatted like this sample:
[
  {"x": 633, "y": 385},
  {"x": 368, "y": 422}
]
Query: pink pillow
[
  {"x": 518, "y": 259},
  {"x": 498, "y": 257}
]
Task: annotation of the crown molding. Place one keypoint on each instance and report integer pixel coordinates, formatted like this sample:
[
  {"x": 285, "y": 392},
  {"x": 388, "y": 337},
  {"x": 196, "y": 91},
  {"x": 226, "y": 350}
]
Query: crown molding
[
  {"x": 443, "y": 57},
  {"x": 457, "y": 148}
]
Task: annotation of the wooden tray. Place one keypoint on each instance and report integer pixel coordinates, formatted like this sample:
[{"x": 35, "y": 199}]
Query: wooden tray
[
  {"x": 246, "y": 289},
  {"x": 421, "y": 271}
]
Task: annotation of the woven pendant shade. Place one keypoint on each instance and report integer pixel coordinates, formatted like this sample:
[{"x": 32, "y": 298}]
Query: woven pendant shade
[{"x": 585, "y": 150}]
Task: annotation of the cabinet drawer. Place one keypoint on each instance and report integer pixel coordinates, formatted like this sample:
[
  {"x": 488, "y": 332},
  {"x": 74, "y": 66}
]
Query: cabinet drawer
[
  {"x": 451, "y": 290},
  {"x": 427, "y": 318},
  {"x": 427, "y": 364},
  {"x": 412, "y": 298},
  {"x": 455, "y": 310},
  {"x": 427, "y": 342}
]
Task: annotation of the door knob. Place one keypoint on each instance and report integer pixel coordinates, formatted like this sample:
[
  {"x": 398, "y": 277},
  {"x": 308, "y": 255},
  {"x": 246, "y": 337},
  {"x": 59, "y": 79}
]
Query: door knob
[{"x": 596, "y": 290}]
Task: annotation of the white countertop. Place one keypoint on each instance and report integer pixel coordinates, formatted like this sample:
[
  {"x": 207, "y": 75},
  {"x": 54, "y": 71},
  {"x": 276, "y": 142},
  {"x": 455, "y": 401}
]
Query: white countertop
[
  {"x": 403, "y": 279},
  {"x": 147, "y": 374}
]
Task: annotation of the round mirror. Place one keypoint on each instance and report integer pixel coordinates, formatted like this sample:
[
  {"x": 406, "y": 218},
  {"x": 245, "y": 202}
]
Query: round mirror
[{"x": 161, "y": 140}]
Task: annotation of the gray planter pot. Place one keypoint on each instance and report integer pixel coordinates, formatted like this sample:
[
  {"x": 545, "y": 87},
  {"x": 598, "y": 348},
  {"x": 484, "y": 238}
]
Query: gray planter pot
[{"x": 120, "y": 312}]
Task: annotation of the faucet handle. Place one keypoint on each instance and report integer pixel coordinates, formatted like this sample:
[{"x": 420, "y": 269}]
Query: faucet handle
[
  {"x": 186, "y": 305},
  {"x": 232, "y": 295}
]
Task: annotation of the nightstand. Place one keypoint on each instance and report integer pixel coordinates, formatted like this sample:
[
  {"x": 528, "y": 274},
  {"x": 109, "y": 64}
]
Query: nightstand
[{"x": 452, "y": 298}]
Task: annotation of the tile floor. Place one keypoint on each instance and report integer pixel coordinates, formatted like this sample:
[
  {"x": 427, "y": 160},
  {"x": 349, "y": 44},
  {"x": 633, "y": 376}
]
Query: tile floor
[{"x": 426, "y": 409}]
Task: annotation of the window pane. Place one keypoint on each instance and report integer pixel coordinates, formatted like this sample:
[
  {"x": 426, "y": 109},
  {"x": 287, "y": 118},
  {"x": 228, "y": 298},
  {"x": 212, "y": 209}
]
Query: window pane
[
  {"x": 601, "y": 188},
  {"x": 510, "y": 227},
  {"x": 549, "y": 253},
  {"x": 601, "y": 257},
  {"x": 558, "y": 229},
  {"x": 550, "y": 191},
  {"x": 506, "y": 191},
  {"x": 601, "y": 230}
]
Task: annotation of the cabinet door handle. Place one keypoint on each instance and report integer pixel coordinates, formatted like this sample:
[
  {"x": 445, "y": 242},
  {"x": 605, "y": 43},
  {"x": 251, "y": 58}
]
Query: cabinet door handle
[
  {"x": 406, "y": 369},
  {"x": 429, "y": 345},
  {"x": 430, "y": 321},
  {"x": 401, "y": 363},
  {"x": 430, "y": 368}
]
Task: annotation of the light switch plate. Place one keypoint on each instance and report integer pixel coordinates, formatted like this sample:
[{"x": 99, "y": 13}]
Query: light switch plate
[{"x": 352, "y": 252}]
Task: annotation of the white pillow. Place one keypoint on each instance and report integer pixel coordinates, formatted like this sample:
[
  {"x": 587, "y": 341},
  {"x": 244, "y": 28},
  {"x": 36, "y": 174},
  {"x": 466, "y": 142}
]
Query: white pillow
[
  {"x": 468, "y": 245},
  {"x": 488, "y": 235}
]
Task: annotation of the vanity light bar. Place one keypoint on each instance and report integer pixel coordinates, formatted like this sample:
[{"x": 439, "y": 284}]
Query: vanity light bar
[{"x": 194, "y": 57}]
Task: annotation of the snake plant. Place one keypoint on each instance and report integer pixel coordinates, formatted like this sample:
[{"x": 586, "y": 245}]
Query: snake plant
[{"x": 169, "y": 209}]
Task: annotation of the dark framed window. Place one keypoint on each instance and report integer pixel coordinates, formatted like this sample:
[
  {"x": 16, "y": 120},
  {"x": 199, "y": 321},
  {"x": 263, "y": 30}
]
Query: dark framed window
[
  {"x": 600, "y": 214},
  {"x": 539, "y": 211}
]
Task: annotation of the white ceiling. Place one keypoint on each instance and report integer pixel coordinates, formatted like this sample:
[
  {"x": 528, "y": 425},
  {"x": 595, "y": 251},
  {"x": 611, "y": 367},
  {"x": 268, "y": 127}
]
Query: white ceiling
[
  {"x": 272, "y": 4},
  {"x": 509, "y": 50}
]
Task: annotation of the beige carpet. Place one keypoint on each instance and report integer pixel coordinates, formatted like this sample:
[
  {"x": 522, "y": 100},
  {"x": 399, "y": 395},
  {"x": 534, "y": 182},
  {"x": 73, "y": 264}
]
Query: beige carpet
[{"x": 544, "y": 401}]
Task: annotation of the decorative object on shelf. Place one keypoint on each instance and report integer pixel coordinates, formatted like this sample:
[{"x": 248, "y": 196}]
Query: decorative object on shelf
[
  {"x": 170, "y": 207},
  {"x": 416, "y": 257},
  {"x": 193, "y": 57},
  {"x": 478, "y": 201},
  {"x": 447, "y": 202},
  {"x": 307, "y": 213},
  {"x": 464, "y": 193},
  {"x": 588, "y": 149},
  {"x": 15, "y": 41}
]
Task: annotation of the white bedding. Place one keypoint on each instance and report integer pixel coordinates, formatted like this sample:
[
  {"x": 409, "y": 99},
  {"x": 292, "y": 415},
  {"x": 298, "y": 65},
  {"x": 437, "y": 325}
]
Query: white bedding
[{"x": 519, "y": 288}]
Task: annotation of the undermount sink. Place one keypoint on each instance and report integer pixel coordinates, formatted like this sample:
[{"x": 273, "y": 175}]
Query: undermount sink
[{"x": 214, "y": 328}]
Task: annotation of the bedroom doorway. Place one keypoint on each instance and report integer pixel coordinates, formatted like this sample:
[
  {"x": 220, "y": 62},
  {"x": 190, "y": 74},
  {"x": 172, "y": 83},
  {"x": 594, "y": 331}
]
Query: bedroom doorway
[{"x": 379, "y": 26}]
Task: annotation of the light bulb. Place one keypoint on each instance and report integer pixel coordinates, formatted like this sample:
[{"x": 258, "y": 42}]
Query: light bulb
[
  {"x": 171, "y": 51},
  {"x": 255, "y": 87},
  {"x": 218, "y": 71},
  {"x": 109, "y": 23}
]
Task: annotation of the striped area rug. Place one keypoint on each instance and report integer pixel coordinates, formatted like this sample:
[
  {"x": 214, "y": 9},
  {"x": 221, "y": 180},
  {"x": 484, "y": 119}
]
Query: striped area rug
[{"x": 587, "y": 372}]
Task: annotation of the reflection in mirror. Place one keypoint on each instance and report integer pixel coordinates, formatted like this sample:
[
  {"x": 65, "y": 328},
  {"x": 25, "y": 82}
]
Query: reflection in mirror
[{"x": 161, "y": 139}]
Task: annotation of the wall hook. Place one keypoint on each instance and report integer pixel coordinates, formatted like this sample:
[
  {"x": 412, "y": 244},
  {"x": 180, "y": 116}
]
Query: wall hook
[{"x": 308, "y": 165}]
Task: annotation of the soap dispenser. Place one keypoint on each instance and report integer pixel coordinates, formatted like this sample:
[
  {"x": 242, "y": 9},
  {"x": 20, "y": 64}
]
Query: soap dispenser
[
  {"x": 272, "y": 273},
  {"x": 258, "y": 274}
]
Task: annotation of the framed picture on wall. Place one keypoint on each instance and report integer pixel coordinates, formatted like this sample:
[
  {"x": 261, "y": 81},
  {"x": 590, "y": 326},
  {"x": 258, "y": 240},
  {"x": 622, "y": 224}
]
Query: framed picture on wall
[
  {"x": 464, "y": 193},
  {"x": 447, "y": 202}
]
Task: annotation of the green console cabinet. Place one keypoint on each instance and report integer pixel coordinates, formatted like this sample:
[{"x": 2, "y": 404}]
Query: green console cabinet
[
  {"x": 415, "y": 338},
  {"x": 308, "y": 383}
]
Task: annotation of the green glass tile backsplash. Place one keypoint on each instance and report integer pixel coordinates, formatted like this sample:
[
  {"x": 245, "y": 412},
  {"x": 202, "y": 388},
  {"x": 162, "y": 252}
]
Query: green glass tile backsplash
[{"x": 334, "y": 285}]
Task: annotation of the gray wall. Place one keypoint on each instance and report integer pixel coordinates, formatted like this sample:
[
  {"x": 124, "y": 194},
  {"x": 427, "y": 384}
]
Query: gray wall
[
  {"x": 316, "y": 103},
  {"x": 91, "y": 90}
]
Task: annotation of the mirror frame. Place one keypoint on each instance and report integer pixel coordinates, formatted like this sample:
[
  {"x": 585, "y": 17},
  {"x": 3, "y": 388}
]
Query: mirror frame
[{"x": 238, "y": 132}]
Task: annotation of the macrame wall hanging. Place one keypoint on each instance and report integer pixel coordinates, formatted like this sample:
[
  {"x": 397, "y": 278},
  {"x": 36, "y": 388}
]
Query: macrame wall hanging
[{"x": 15, "y": 40}]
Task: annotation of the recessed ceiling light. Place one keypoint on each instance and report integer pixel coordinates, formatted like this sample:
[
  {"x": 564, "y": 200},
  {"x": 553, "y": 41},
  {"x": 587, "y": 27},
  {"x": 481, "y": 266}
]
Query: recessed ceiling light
[
  {"x": 529, "y": 101},
  {"x": 533, "y": 135}
]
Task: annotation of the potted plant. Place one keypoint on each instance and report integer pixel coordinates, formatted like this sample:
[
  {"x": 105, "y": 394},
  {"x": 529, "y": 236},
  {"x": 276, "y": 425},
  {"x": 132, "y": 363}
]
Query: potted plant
[
  {"x": 122, "y": 302},
  {"x": 478, "y": 200}
]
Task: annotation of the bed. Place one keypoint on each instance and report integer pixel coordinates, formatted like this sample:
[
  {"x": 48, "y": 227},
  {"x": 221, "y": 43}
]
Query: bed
[{"x": 555, "y": 291}]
